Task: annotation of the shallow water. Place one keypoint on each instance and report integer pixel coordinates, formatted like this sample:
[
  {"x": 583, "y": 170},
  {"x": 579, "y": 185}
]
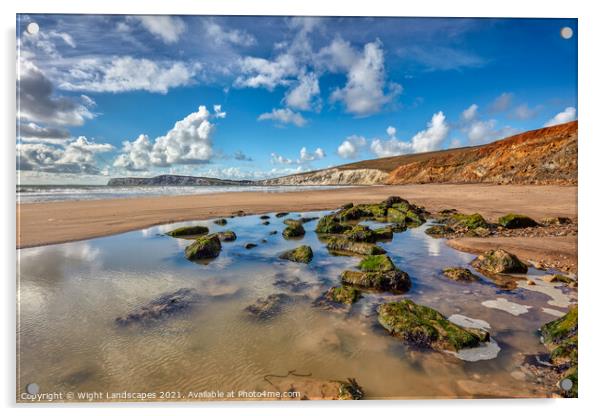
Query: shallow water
[{"x": 70, "y": 295}]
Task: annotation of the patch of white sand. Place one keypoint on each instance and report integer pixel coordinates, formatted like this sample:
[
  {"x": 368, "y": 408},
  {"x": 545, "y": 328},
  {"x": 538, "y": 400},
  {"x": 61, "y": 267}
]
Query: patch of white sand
[
  {"x": 552, "y": 290},
  {"x": 485, "y": 351},
  {"x": 553, "y": 312},
  {"x": 467, "y": 322},
  {"x": 505, "y": 305}
]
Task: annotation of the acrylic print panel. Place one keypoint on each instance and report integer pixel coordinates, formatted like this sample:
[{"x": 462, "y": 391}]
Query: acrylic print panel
[{"x": 287, "y": 208}]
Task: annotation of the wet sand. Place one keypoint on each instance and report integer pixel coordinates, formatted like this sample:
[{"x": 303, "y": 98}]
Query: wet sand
[{"x": 58, "y": 222}]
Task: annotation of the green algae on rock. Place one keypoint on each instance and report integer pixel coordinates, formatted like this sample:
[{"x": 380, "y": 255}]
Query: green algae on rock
[
  {"x": 344, "y": 245},
  {"x": 189, "y": 231},
  {"x": 329, "y": 224},
  {"x": 425, "y": 327},
  {"x": 470, "y": 222},
  {"x": 226, "y": 235},
  {"x": 207, "y": 247},
  {"x": 516, "y": 221},
  {"x": 499, "y": 261},
  {"x": 438, "y": 230},
  {"x": 343, "y": 294},
  {"x": 292, "y": 231},
  {"x": 460, "y": 274},
  {"x": 378, "y": 273},
  {"x": 561, "y": 338},
  {"x": 301, "y": 254}
]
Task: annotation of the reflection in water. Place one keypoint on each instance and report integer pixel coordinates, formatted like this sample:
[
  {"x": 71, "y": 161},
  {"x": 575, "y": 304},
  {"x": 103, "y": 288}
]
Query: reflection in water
[{"x": 70, "y": 295}]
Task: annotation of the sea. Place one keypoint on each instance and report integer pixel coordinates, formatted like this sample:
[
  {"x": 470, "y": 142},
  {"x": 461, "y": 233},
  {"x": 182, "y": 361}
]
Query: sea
[{"x": 27, "y": 194}]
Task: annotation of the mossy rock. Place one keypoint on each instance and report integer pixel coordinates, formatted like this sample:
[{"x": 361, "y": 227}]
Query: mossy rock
[
  {"x": 425, "y": 327},
  {"x": 361, "y": 233},
  {"x": 301, "y": 254},
  {"x": 347, "y": 205},
  {"x": 383, "y": 233},
  {"x": 264, "y": 217},
  {"x": 281, "y": 214},
  {"x": 343, "y": 294},
  {"x": 561, "y": 338},
  {"x": 460, "y": 274},
  {"x": 226, "y": 235},
  {"x": 268, "y": 307},
  {"x": 353, "y": 213},
  {"x": 390, "y": 201},
  {"x": 374, "y": 210},
  {"x": 556, "y": 221},
  {"x": 558, "y": 278},
  {"x": 377, "y": 263},
  {"x": 396, "y": 216},
  {"x": 516, "y": 221},
  {"x": 221, "y": 221},
  {"x": 470, "y": 222},
  {"x": 499, "y": 261},
  {"x": 571, "y": 374},
  {"x": 190, "y": 231},
  {"x": 350, "y": 390},
  {"x": 204, "y": 248},
  {"x": 329, "y": 224},
  {"x": 438, "y": 230},
  {"x": 293, "y": 231},
  {"x": 344, "y": 245},
  {"x": 293, "y": 223},
  {"x": 395, "y": 281},
  {"x": 265, "y": 222}
]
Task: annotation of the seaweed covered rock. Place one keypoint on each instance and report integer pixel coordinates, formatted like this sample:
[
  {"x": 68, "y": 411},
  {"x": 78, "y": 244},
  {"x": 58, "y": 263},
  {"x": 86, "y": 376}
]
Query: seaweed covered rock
[
  {"x": 161, "y": 307},
  {"x": 467, "y": 222},
  {"x": 301, "y": 254},
  {"x": 190, "y": 231},
  {"x": 561, "y": 338},
  {"x": 516, "y": 221},
  {"x": 350, "y": 390},
  {"x": 220, "y": 221},
  {"x": 438, "y": 230},
  {"x": 292, "y": 231},
  {"x": 268, "y": 307},
  {"x": 226, "y": 235},
  {"x": 343, "y": 294},
  {"x": 344, "y": 245},
  {"x": 556, "y": 221},
  {"x": 293, "y": 223},
  {"x": 378, "y": 272},
  {"x": 363, "y": 233},
  {"x": 330, "y": 224},
  {"x": 460, "y": 274},
  {"x": 207, "y": 247},
  {"x": 499, "y": 261},
  {"x": 424, "y": 327}
]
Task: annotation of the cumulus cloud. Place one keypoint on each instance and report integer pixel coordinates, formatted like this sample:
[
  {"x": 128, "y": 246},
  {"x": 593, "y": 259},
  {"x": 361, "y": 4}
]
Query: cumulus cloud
[
  {"x": 524, "y": 112},
  {"x": 569, "y": 114},
  {"x": 351, "y": 146},
  {"x": 284, "y": 116},
  {"x": 305, "y": 156},
  {"x": 221, "y": 36},
  {"x": 260, "y": 72},
  {"x": 485, "y": 131},
  {"x": 424, "y": 141},
  {"x": 301, "y": 97},
  {"x": 364, "y": 92},
  {"x": 279, "y": 159},
  {"x": 470, "y": 113},
  {"x": 38, "y": 103},
  {"x": 188, "y": 142},
  {"x": 75, "y": 156},
  {"x": 166, "y": 28},
  {"x": 125, "y": 73},
  {"x": 391, "y": 131},
  {"x": 501, "y": 103}
]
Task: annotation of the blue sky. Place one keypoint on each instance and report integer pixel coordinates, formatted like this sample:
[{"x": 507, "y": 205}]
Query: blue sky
[{"x": 256, "y": 97}]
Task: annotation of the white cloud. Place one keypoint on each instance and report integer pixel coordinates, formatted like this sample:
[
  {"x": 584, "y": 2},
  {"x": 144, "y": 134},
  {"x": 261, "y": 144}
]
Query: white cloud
[
  {"x": 188, "y": 142},
  {"x": 260, "y": 72},
  {"x": 524, "y": 112},
  {"x": 501, "y": 103},
  {"x": 364, "y": 93},
  {"x": 279, "y": 159},
  {"x": 424, "y": 141},
  {"x": 338, "y": 56},
  {"x": 569, "y": 114},
  {"x": 39, "y": 104},
  {"x": 125, "y": 73},
  {"x": 485, "y": 131},
  {"x": 43, "y": 42},
  {"x": 351, "y": 146},
  {"x": 301, "y": 97},
  {"x": 284, "y": 116},
  {"x": 75, "y": 156},
  {"x": 31, "y": 132},
  {"x": 306, "y": 156},
  {"x": 221, "y": 36},
  {"x": 470, "y": 113},
  {"x": 391, "y": 131},
  {"x": 166, "y": 28}
]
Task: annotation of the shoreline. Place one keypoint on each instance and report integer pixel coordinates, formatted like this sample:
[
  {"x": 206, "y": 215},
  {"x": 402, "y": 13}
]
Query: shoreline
[{"x": 46, "y": 223}]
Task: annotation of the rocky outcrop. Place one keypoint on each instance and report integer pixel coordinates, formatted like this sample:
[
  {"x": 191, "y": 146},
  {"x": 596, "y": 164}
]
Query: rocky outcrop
[
  {"x": 333, "y": 176},
  {"x": 175, "y": 180},
  {"x": 207, "y": 247},
  {"x": 161, "y": 307},
  {"x": 499, "y": 261},
  {"x": 378, "y": 273},
  {"x": 301, "y": 254},
  {"x": 424, "y": 327},
  {"x": 188, "y": 231},
  {"x": 516, "y": 221},
  {"x": 343, "y": 294}
]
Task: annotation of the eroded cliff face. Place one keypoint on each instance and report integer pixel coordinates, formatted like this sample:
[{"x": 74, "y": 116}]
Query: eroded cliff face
[
  {"x": 333, "y": 176},
  {"x": 544, "y": 156}
]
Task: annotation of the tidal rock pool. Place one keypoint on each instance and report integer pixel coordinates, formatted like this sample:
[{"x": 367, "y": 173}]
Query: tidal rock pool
[{"x": 130, "y": 313}]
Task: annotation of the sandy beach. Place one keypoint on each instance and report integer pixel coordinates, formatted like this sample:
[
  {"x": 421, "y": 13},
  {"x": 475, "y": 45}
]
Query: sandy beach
[{"x": 58, "y": 222}]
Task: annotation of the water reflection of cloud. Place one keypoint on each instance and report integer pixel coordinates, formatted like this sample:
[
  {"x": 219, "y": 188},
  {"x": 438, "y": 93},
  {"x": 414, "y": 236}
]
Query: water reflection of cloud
[{"x": 434, "y": 246}]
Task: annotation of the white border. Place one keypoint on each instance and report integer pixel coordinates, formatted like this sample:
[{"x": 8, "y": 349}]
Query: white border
[{"x": 590, "y": 202}]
